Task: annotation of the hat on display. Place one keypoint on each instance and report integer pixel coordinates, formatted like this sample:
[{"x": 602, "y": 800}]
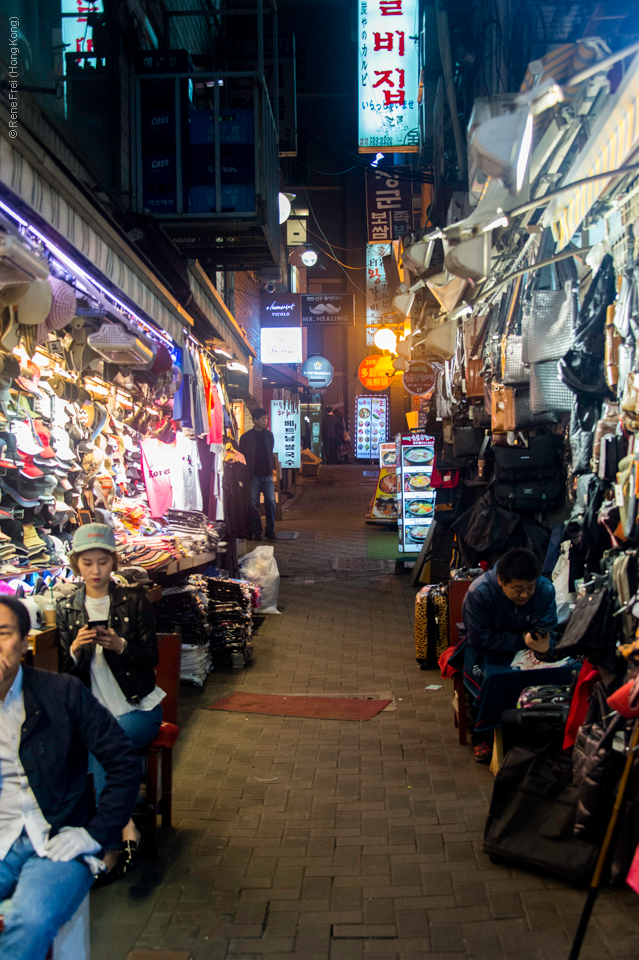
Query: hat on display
[
  {"x": 34, "y": 307},
  {"x": 15, "y": 495},
  {"x": 94, "y": 536},
  {"x": 13, "y": 293},
  {"x": 63, "y": 304},
  {"x": 10, "y": 366},
  {"x": 9, "y": 334}
]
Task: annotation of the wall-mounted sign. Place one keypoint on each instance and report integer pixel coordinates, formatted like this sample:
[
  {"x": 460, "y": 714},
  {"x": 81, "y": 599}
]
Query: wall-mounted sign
[
  {"x": 420, "y": 377},
  {"x": 388, "y": 76},
  {"x": 285, "y": 424},
  {"x": 376, "y": 372},
  {"x": 318, "y": 371},
  {"x": 281, "y": 310},
  {"x": 322, "y": 308},
  {"x": 378, "y": 293},
  {"x": 281, "y": 345},
  {"x": 389, "y": 205}
]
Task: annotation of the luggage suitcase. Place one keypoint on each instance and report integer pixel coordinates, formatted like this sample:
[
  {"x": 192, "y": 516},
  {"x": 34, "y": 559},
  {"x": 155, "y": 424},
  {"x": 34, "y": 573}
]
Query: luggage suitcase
[{"x": 431, "y": 625}]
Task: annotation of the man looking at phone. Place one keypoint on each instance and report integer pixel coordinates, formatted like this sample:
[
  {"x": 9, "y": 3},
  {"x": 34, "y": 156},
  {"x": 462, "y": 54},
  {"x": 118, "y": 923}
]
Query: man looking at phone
[
  {"x": 50, "y": 830},
  {"x": 508, "y": 609}
]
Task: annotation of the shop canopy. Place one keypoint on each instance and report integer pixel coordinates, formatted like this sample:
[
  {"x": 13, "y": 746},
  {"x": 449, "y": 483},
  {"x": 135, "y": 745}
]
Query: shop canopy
[
  {"x": 52, "y": 203},
  {"x": 614, "y": 140}
]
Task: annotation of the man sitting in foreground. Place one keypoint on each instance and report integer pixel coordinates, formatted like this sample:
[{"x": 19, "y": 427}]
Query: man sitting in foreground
[
  {"x": 49, "y": 825},
  {"x": 508, "y": 609}
]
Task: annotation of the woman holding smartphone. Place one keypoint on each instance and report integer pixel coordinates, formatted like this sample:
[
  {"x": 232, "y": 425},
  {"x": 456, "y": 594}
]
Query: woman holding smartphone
[{"x": 107, "y": 639}]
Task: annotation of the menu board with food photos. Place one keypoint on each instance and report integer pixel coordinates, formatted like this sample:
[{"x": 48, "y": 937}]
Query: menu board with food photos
[
  {"x": 416, "y": 497},
  {"x": 371, "y": 425}
]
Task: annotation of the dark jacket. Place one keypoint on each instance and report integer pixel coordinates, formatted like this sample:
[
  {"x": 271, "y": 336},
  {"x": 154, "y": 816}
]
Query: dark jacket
[
  {"x": 328, "y": 426},
  {"x": 495, "y": 626},
  {"x": 248, "y": 442},
  {"x": 63, "y": 724},
  {"x": 131, "y": 616}
]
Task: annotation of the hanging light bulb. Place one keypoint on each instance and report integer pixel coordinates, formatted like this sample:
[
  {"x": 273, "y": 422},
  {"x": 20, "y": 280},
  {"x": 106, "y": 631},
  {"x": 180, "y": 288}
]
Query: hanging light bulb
[
  {"x": 385, "y": 339},
  {"x": 285, "y": 207}
]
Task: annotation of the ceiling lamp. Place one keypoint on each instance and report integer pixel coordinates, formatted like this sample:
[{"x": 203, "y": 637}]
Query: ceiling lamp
[
  {"x": 417, "y": 256},
  {"x": 385, "y": 339},
  {"x": 470, "y": 259},
  {"x": 309, "y": 258},
  {"x": 285, "y": 207},
  {"x": 502, "y": 145}
]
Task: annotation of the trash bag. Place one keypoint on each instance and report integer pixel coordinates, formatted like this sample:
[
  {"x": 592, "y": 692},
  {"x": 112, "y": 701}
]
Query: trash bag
[{"x": 260, "y": 566}]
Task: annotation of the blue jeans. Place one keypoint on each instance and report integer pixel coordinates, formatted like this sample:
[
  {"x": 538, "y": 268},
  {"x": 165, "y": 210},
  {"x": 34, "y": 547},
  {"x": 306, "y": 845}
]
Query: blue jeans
[
  {"x": 266, "y": 486},
  {"x": 44, "y": 896},
  {"x": 141, "y": 726}
]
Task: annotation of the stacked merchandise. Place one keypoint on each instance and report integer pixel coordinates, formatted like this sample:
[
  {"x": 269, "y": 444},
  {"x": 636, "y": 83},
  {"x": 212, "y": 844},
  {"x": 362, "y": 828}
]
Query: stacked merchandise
[
  {"x": 183, "y": 609},
  {"x": 230, "y": 619},
  {"x": 99, "y": 414}
]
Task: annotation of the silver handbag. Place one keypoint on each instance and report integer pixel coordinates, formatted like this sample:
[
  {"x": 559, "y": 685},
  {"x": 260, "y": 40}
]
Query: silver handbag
[
  {"x": 513, "y": 370},
  {"x": 547, "y": 392},
  {"x": 547, "y": 322}
]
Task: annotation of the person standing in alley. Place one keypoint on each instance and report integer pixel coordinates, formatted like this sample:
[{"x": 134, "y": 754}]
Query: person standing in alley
[
  {"x": 257, "y": 447},
  {"x": 328, "y": 436}
]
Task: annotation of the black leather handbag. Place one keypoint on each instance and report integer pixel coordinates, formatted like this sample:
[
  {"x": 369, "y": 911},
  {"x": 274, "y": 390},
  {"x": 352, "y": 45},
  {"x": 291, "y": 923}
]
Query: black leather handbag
[{"x": 467, "y": 441}]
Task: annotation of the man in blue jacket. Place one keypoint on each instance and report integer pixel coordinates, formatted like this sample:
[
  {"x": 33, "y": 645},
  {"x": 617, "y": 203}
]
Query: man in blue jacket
[
  {"x": 51, "y": 833},
  {"x": 508, "y": 609}
]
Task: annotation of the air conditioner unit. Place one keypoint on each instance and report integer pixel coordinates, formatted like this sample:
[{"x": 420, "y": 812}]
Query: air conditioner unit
[
  {"x": 484, "y": 108},
  {"x": 18, "y": 264},
  {"x": 115, "y": 345}
]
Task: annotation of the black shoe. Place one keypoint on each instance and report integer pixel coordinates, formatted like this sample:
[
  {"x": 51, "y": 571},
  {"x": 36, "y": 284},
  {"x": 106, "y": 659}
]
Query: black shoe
[
  {"x": 106, "y": 878},
  {"x": 128, "y": 859},
  {"x": 256, "y": 537},
  {"x": 270, "y": 535}
]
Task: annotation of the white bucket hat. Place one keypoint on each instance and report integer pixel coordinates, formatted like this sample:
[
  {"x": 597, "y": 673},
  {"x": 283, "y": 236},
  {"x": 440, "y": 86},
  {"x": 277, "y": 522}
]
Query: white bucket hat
[{"x": 34, "y": 307}]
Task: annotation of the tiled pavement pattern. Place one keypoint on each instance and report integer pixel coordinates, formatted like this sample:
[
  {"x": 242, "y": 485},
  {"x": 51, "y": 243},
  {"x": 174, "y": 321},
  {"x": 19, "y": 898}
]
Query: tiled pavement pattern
[{"x": 329, "y": 840}]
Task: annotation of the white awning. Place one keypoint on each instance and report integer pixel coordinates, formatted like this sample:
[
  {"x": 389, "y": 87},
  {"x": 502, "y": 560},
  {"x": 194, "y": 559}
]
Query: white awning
[
  {"x": 56, "y": 199},
  {"x": 613, "y": 141}
]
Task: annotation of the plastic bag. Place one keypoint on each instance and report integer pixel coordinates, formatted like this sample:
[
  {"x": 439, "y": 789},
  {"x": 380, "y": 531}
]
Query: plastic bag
[{"x": 260, "y": 566}]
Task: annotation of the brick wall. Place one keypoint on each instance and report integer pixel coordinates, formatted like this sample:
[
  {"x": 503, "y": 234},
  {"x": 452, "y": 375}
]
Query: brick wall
[{"x": 247, "y": 313}]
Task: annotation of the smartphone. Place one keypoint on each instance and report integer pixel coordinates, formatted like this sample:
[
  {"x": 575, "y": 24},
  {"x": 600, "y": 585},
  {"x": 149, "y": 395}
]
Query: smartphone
[{"x": 95, "y": 624}]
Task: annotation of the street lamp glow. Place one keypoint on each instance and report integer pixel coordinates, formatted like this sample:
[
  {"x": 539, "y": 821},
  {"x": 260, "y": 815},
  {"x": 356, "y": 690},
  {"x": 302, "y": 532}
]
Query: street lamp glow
[
  {"x": 285, "y": 207},
  {"x": 309, "y": 258},
  {"x": 385, "y": 339}
]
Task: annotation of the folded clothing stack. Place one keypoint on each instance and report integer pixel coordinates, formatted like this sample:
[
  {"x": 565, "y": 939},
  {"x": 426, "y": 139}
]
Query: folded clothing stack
[
  {"x": 185, "y": 608},
  {"x": 230, "y": 619},
  {"x": 152, "y": 553}
]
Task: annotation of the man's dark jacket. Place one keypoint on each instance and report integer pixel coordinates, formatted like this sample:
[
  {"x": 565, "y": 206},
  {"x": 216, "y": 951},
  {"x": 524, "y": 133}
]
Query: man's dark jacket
[
  {"x": 131, "y": 616},
  {"x": 495, "y": 626},
  {"x": 248, "y": 444},
  {"x": 63, "y": 724}
]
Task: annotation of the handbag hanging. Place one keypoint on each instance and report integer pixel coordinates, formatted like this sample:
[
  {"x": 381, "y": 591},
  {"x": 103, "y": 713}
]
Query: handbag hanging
[
  {"x": 547, "y": 392},
  {"x": 502, "y": 408},
  {"x": 513, "y": 370},
  {"x": 467, "y": 441},
  {"x": 549, "y": 315}
]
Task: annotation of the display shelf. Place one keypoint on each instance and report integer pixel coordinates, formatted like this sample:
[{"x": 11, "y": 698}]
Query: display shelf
[{"x": 27, "y": 570}]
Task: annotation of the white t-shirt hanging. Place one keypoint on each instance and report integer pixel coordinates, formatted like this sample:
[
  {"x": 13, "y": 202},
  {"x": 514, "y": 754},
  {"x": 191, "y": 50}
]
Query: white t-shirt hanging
[{"x": 185, "y": 464}]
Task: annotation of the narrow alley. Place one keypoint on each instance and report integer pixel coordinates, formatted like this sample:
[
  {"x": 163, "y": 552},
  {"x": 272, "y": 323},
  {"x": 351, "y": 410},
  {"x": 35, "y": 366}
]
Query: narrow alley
[{"x": 331, "y": 839}]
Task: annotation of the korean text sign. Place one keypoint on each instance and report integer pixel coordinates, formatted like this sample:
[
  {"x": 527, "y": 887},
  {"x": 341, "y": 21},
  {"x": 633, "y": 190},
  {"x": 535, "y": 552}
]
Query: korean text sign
[
  {"x": 388, "y": 76},
  {"x": 389, "y": 210},
  {"x": 378, "y": 293},
  {"x": 285, "y": 424}
]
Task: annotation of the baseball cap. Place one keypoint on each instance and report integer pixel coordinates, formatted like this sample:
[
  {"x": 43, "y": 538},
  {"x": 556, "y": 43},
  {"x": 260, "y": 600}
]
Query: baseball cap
[{"x": 94, "y": 536}]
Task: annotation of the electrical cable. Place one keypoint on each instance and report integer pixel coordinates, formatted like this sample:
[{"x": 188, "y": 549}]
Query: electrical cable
[
  {"x": 350, "y": 279},
  {"x": 336, "y": 246}
]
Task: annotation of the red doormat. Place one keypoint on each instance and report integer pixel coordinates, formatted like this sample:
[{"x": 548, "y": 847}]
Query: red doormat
[{"x": 317, "y": 708}]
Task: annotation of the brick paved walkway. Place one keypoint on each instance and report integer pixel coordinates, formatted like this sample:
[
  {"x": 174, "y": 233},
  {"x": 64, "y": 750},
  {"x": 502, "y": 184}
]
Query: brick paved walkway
[{"x": 329, "y": 840}]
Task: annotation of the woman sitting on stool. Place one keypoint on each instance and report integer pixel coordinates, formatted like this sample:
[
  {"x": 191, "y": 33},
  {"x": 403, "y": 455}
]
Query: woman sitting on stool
[{"x": 107, "y": 639}]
